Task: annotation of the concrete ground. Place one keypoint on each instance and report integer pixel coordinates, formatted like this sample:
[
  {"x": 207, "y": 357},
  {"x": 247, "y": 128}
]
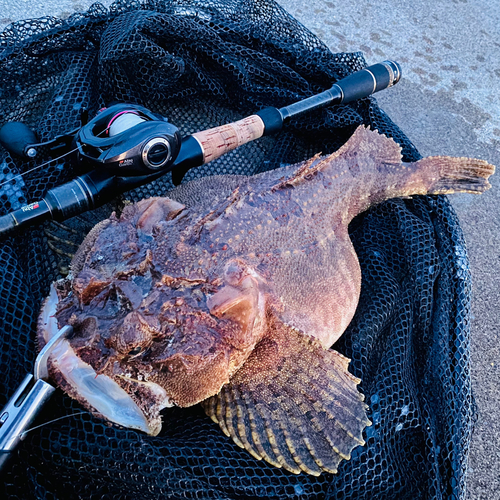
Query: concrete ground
[{"x": 447, "y": 103}]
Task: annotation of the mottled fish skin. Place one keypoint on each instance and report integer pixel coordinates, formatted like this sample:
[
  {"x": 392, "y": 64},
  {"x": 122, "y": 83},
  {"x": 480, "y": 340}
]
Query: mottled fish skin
[
  {"x": 292, "y": 223},
  {"x": 231, "y": 291}
]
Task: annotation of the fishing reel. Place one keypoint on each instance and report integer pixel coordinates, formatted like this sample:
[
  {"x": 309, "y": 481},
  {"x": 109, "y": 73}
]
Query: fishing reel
[
  {"x": 127, "y": 139},
  {"x": 126, "y": 146}
]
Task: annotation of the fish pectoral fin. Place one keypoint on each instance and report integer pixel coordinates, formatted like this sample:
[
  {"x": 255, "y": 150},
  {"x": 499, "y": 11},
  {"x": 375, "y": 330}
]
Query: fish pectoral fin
[{"x": 293, "y": 404}]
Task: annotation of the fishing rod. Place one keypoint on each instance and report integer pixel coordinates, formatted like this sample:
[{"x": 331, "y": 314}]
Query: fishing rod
[{"x": 130, "y": 146}]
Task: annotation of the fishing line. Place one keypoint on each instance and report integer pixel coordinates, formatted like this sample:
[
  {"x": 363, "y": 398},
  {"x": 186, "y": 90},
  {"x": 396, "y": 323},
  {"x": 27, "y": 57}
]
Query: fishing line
[
  {"x": 38, "y": 166},
  {"x": 23, "y": 434}
]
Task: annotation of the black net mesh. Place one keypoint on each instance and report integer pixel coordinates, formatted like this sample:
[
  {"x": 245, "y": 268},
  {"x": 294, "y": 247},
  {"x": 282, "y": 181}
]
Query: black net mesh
[{"x": 201, "y": 64}]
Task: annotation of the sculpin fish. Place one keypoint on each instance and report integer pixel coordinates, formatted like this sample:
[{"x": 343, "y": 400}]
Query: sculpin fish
[{"x": 230, "y": 293}]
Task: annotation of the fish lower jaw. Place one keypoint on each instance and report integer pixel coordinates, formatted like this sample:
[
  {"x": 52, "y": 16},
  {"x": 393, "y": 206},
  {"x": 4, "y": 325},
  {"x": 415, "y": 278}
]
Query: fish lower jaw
[
  {"x": 157, "y": 392},
  {"x": 100, "y": 394}
]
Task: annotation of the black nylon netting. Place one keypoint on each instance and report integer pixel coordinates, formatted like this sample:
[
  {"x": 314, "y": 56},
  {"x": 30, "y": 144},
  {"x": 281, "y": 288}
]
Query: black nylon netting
[{"x": 202, "y": 64}]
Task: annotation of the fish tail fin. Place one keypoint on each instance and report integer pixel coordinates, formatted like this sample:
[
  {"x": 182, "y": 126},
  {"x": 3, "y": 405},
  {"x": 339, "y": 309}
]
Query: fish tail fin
[{"x": 445, "y": 175}]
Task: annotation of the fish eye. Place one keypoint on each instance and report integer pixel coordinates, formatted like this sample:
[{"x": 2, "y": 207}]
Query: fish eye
[{"x": 135, "y": 351}]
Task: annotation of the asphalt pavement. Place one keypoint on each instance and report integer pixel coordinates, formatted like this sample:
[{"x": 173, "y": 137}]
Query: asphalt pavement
[{"x": 448, "y": 103}]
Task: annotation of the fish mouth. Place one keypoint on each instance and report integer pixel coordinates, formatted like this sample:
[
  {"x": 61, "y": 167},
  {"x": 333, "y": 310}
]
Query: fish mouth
[{"x": 102, "y": 395}]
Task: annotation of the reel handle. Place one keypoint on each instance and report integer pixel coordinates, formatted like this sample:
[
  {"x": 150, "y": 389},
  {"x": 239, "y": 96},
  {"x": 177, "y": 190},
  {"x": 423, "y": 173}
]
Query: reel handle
[{"x": 18, "y": 139}]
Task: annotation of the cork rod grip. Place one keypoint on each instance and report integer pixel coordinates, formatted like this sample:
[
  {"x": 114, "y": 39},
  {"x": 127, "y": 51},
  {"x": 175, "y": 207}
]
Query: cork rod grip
[{"x": 219, "y": 140}]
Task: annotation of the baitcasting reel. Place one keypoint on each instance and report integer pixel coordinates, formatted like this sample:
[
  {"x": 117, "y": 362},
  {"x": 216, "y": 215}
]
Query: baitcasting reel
[
  {"x": 128, "y": 146},
  {"x": 126, "y": 138}
]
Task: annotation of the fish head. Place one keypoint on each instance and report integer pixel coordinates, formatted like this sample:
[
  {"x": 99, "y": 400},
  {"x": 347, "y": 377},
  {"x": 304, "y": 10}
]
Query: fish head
[
  {"x": 187, "y": 336},
  {"x": 141, "y": 343}
]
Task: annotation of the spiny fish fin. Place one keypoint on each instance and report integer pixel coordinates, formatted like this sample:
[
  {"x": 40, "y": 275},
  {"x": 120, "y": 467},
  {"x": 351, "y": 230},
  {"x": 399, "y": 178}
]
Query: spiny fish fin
[
  {"x": 365, "y": 145},
  {"x": 305, "y": 168},
  {"x": 210, "y": 219},
  {"x": 293, "y": 404}
]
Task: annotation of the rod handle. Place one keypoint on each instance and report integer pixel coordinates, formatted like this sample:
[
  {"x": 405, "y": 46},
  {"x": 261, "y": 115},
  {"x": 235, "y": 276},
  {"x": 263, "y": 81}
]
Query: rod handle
[
  {"x": 360, "y": 84},
  {"x": 369, "y": 80},
  {"x": 218, "y": 141}
]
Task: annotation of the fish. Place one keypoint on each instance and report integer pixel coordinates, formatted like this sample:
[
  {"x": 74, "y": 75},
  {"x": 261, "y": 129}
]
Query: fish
[{"x": 231, "y": 292}]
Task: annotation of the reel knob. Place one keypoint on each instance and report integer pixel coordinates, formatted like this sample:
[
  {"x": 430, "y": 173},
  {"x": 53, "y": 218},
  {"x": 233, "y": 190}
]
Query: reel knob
[
  {"x": 19, "y": 140},
  {"x": 156, "y": 153}
]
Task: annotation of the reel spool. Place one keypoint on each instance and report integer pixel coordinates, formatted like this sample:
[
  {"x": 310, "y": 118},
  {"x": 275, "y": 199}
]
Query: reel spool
[{"x": 123, "y": 121}]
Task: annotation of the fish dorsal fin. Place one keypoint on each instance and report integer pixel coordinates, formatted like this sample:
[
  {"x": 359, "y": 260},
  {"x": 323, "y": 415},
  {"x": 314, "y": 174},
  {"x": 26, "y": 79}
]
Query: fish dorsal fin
[
  {"x": 293, "y": 404},
  {"x": 365, "y": 151},
  {"x": 370, "y": 144}
]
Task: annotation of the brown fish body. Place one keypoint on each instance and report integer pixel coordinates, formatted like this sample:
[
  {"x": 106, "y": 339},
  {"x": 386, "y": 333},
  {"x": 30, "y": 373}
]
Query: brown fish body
[
  {"x": 291, "y": 225},
  {"x": 230, "y": 292}
]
